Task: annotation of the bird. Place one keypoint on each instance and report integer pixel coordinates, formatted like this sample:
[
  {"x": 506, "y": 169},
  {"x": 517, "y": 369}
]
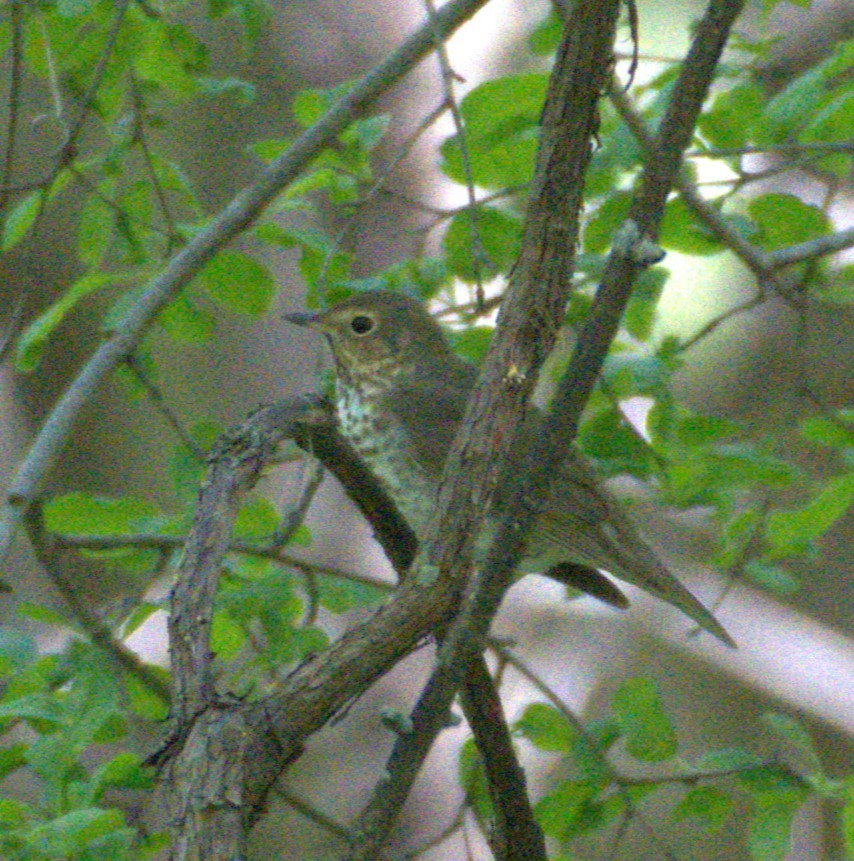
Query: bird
[{"x": 400, "y": 395}]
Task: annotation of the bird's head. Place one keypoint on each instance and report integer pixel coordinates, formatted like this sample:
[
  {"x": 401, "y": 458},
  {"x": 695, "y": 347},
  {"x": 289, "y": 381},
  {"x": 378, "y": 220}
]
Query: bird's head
[{"x": 378, "y": 336}]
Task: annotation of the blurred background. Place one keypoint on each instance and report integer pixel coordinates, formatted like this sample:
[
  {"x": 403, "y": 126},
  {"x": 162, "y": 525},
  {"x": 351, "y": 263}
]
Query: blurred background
[{"x": 795, "y": 655}]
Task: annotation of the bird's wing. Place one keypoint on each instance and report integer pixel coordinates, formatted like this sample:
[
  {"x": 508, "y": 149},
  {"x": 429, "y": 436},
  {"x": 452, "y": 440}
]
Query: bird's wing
[
  {"x": 431, "y": 408},
  {"x": 580, "y": 517}
]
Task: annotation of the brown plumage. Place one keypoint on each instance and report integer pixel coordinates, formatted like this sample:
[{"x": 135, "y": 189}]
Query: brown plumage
[{"x": 401, "y": 394}]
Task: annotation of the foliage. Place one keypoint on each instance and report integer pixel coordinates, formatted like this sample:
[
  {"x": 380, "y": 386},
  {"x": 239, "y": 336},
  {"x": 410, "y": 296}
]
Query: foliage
[{"x": 66, "y": 715}]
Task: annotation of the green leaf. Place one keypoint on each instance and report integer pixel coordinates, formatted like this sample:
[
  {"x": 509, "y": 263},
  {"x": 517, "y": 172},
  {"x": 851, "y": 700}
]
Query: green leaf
[
  {"x": 243, "y": 91},
  {"x": 124, "y": 771},
  {"x": 640, "y": 714},
  {"x": 643, "y": 304},
  {"x": 46, "y": 616},
  {"x": 545, "y": 37},
  {"x": 473, "y": 780},
  {"x": 186, "y": 322},
  {"x": 787, "y": 112},
  {"x": 746, "y": 464},
  {"x": 39, "y": 708},
  {"x": 472, "y": 342},
  {"x": 69, "y": 835},
  {"x": 17, "y": 649},
  {"x": 81, "y": 514},
  {"x": 772, "y": 577},
  {"x": 366, "y": 133},
  {"x": 835, "y": 430},
  {"x": 727, "y": 124},
  {"x": 602, "y": 225},
  {"x": 557, "y": 811},
  {"x": 95, "y": 227},
  {"x": 501, "y": 120},
  {"x": 606, "y": 437},
  {"x": 239, "y": 282},
  {"x": 546, "y": 728},
  {"x": 786, "y": 220},
  {"x": 143, "y": 701},
  {"x": 789, "y": 531},
  {"x": 21, "y": 218},
  {"x": 681, "y": 231},
  {"x": 499, "y": 234},
  {"x": 256, "y": 519},
  {"x": 227, "y": 637},
  {"x": 771, "y": 823},
  {"x": 12, "y": 757},
  {"x": 797, "y": 738},
  {"x": 708, "y": 804},
  {"x": 166, "y": 55},
  {"x": 341, "y": 596},
  {"x": 34, "y": 339}
]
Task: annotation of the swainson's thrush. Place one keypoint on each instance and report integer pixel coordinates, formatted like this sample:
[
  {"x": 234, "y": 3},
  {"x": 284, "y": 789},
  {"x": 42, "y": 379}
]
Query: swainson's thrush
[{"x": 401, "y": 393}]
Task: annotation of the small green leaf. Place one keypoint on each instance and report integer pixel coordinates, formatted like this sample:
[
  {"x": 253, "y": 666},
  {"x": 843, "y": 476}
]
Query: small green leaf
[
  {"x": 786, "y": 220},
  {"x": 789, "y": 531},
  {"x": 341, "y": 596},
  {"x": 12, "y": 757},
  {"x": 502, "y": 129},
  {"x": 834, "y": 431},
  {"x": 558, "y": 811},
  {"x": 473, "y": 780},
  {"x": 227, "y": 637},
  {"x": 243, "y": 91},
  {"x": 21, "y": 218},
  {"x": 124, "y": 771},
  {"x": 258, "y": 518},
  {"x": 710, "y": 805},
  {"x": 546, "y": 728},
  {"x": 186, "y": 322},
  {"x": 17, "y": 649},
  {"x": 681, "y": 231},
  {"x": 239, "y": 282},
  {"x": 770, "y": 832},
  {"x": 603, "y": 223},
  {"x": 499, "y": 234},
  {"x": 643, "y": 721},
  {"x": 545, "y": 37},
  {"x": 82, "y": 514},
  {"x": 34, "y": 339},
  {"x": 772, "y": 577},
  {"x": 143, "y": 701},
  {"x": 472, "y": 342},
  {"x": 607, "y": 438},
  {"x": 727, "y": 124},
  {"x": 69, "y": 835},
  {"x": 641, "y": 311},
  {"x": 798, "y": 739},
  {"x": 95, "y": 227}
]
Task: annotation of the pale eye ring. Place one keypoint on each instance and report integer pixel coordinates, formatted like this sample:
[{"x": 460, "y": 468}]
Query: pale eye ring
[{"x": 362, "y": 324}]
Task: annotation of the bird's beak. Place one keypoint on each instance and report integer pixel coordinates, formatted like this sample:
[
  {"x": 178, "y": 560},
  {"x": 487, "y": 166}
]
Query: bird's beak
[{"x": 309, "y": 319}]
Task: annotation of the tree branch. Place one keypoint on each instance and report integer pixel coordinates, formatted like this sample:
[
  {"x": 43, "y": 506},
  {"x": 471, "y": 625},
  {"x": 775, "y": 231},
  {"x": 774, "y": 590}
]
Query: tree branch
[{"x": 529, "y": 319}]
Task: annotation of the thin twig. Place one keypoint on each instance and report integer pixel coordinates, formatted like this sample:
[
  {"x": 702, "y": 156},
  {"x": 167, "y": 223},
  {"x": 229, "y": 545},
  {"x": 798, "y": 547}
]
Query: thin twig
[
  {"x": 134, "y": 365},
  {"x": 14, "y": 105},
  {"x": 448, "y": 77}
]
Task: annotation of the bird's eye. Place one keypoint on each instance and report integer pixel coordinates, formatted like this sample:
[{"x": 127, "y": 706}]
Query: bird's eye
[{"x": 361, "y": 324}]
